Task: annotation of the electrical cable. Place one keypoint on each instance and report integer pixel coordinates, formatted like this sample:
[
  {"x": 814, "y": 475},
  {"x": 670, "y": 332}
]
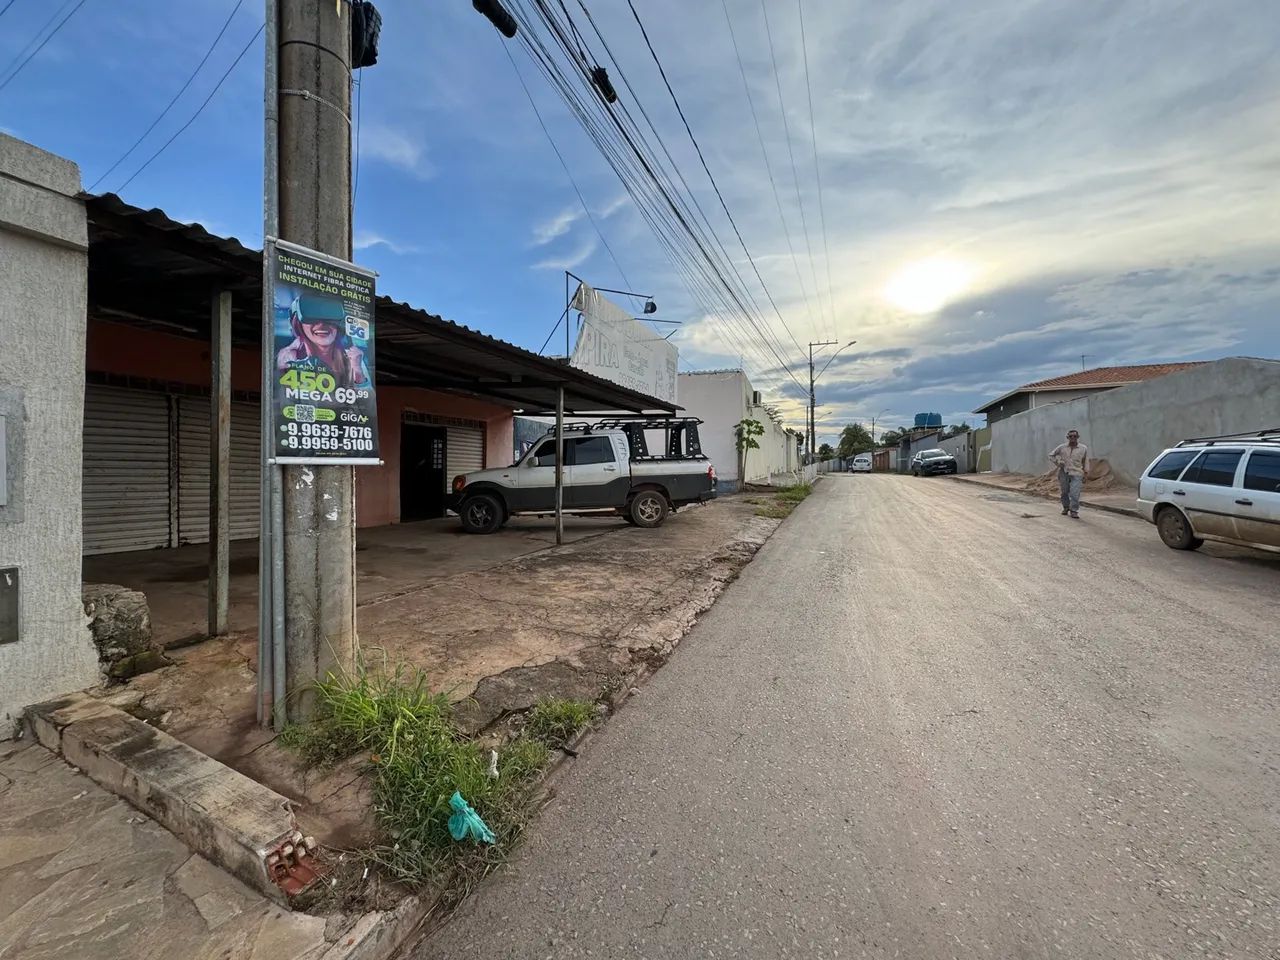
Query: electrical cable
[
  {"x": 817, "y": 170},
  {"x": 169, "y": 106},
  {"x": 764, "y": 152},
  {"x": 62, "y": 23},
  {"x": 703, "y": 160},
  {"x": 199, "y": 110},
  {"x": 5, "y": 8},
  {"x": 786, "y": 129},
  {"x": 559, "y": 156}
]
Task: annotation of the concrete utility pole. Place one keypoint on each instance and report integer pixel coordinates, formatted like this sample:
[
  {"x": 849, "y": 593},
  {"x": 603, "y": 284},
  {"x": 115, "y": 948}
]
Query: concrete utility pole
[
  {"x": 813, "y": 427},
  {"x": 315, "y": 211}
]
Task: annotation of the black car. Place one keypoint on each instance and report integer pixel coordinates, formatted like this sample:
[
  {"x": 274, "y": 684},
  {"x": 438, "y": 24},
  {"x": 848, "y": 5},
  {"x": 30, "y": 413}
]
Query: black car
[{"x": 929, "y": 462}]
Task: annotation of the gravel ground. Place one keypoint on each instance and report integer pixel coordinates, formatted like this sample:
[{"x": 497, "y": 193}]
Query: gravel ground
[{"x": 929, "y": 720}]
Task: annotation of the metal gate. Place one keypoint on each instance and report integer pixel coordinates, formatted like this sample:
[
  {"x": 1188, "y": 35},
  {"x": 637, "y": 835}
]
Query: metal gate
[
  {"x": 125, "y": 470},
  {"x": 194, "y": 470}
]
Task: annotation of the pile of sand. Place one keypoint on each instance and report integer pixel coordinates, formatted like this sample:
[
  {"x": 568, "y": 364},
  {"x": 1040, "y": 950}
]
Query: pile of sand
[{"x": 1100, "y": 478}]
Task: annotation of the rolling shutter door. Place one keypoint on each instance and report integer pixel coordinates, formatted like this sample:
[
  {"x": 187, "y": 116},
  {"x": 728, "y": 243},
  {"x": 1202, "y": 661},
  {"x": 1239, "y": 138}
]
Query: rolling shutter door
[
  {"x": 126, "y": 470},
  {"x": 464, "y": 451},
  {"x": 193, "y": 470}
]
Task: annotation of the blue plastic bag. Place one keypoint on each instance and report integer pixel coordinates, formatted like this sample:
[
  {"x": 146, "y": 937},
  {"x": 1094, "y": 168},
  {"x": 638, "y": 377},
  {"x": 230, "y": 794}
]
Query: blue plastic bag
[{"x": 465, "y": 822}]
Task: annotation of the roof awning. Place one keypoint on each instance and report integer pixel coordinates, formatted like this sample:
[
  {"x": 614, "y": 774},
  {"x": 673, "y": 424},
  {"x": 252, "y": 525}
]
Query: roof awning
[{"x": 150, "y": 271}]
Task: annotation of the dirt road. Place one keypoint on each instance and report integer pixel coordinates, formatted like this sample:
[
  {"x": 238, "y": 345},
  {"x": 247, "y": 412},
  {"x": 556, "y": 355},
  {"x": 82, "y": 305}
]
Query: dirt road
[{"x": 930, "y": 720}]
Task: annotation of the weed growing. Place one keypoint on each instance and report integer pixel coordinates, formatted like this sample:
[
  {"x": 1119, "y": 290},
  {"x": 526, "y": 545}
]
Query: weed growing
[
  {"x": 417, "y": 760},
  {"x": 784, "y": 501},
  {"x": 554, "y": 720}
]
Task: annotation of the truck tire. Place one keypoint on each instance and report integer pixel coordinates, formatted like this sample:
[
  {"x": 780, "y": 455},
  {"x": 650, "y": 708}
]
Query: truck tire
[
  {"x": 648, "y": 508},
  {"x": 481, "y": 513}
]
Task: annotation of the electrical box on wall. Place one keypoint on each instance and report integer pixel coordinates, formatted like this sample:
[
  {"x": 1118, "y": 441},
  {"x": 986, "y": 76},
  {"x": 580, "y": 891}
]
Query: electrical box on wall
[{"x": 10, "y": 606}]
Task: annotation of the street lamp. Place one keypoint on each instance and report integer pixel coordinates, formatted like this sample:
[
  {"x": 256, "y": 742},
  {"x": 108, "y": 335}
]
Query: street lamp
[
  {"x": 873, "y": 424},
  {"x": 813, "y": 379}
]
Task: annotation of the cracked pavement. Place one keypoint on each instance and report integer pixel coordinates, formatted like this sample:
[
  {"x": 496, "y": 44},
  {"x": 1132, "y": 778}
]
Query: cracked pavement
[{"x": 923, "y": 725}]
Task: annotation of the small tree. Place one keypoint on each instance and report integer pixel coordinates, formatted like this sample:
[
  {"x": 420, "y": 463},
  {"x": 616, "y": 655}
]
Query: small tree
[
  {"x": 826, "y": 452},
  {"x": 854, "y": 439},
  {"x": 961, "y": 427},
  {"x": 745, "y": 433}
]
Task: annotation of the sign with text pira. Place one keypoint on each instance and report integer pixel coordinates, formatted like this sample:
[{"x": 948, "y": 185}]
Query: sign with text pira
[{"x": 324, "y": 405}]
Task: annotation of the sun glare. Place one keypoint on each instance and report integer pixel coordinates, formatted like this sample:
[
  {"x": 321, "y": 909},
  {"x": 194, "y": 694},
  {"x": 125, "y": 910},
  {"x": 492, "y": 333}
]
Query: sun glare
[{"x": 926, "y": 286}]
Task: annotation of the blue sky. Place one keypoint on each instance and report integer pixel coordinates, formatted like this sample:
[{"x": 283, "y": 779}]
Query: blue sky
[{"x": 1007, "y": 184}]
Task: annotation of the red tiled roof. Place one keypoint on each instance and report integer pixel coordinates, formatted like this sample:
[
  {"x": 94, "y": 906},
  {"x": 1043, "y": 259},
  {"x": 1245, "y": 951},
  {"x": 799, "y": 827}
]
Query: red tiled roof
[{"x": 1107, "y": 376}]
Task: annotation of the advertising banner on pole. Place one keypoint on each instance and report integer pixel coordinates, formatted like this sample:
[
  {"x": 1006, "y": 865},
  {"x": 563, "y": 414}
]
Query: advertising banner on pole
[
  {"x": 616, "y": 347},
  {"x": 324, "y": 404}
]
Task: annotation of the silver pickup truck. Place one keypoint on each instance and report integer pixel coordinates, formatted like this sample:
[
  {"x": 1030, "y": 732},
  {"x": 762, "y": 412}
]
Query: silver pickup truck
[{"x": 607, "y": 469}]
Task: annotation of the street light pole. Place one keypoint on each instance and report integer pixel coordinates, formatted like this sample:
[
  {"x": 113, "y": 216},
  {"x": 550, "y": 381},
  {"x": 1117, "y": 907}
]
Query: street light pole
[
  {"x": 813, "y": 427},
  {"x": 873, "y": 424},
  {"x": 813, "y": 399}
]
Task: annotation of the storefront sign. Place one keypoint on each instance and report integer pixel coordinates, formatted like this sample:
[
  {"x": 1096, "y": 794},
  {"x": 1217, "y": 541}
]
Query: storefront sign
[
  {"x": 616, "y": 347},
  {"x": 324, "y": 405}
]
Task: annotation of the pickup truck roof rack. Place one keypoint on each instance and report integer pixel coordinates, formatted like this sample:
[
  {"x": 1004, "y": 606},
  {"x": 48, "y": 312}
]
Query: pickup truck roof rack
[{"x": 1269, "y": 436}]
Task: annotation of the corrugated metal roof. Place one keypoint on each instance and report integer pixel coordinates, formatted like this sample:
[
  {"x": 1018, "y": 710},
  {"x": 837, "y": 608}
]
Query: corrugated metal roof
[{"x": 147, "y": 269}]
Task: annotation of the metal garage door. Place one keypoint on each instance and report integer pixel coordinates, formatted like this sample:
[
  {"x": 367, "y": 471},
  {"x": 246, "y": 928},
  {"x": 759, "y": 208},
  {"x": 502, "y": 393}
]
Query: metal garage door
[
  {"x": 464, "y": 450},
  {"x": 126, "y": 469},
  {"x": 193, "y": 470}
]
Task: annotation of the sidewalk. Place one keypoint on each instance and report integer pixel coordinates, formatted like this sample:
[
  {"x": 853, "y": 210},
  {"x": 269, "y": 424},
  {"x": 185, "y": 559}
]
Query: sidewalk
[
  {"x": 85, "y": 876},
  {"x": 1115, "y": 499}
]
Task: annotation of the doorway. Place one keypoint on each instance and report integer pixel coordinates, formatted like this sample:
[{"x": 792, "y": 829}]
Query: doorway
[{"x": 423, "y": 484}]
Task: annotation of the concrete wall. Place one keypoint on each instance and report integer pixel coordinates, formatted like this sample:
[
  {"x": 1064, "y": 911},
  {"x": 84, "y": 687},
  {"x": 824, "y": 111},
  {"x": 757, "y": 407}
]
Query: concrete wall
[
  {"x": 1130, "y": 425},
  {"x": 722, "y": 399},
  {"x": 43, "y": 297}
]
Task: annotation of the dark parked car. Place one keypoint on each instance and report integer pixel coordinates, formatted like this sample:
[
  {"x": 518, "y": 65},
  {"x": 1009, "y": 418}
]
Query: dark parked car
[{"x": 929, "y": 462}]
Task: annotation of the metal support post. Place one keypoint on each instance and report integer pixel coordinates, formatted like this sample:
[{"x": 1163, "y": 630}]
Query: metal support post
[
  {"x": 219, "y": 463},
  {"x": 559, "y": 466}
]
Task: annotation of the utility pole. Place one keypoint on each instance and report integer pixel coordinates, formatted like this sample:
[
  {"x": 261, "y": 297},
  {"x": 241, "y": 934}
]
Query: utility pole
[
  {"x": 318, "y": 502},
  {"x": 813, "y": 427}
]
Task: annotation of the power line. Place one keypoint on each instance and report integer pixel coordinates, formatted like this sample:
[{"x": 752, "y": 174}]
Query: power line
[
  {"x": 626, "y": 150},
  {"x": 61, "y": 24},
  {"x": 675, "y": 222},
  {"x": 786, "y": 129},
  {"x": 169, "y": 106},
  {"x": 5, "y": 8},
  {"x": 703, "y": 160},
  {"x": 764, "y": 152},
  {"x": 551, "y": 140},
  {"x": 817, "y": 168},
  {"x": 199, "y": 110}
]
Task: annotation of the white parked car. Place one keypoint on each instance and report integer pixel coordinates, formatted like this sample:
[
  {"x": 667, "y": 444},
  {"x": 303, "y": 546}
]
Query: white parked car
[
  {"x": 861, "y": 464},
  {"x": 1217, "y": 488}
]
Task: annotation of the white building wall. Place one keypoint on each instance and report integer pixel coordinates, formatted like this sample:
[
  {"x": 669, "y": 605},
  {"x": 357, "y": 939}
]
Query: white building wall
[
  {"x": 722, "y": 399},
  {"x": 43, "y": 300}
]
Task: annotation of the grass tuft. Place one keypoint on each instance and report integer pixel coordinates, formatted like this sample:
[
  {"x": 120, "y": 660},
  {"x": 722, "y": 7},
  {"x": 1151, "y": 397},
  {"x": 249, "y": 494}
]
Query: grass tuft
[
  {"x": 417, "y": 760},
  {"x": 555, "y": 720},
  {"x": 784, "y": 501}
]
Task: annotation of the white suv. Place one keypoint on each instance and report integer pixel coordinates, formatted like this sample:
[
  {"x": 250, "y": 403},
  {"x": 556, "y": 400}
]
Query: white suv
[{"x": 1217, "y": 488}]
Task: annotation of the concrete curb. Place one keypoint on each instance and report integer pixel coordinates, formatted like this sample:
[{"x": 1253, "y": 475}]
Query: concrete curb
[
  {"x": 232, "y": 821},
  {"x": 1107, "y": 507}
]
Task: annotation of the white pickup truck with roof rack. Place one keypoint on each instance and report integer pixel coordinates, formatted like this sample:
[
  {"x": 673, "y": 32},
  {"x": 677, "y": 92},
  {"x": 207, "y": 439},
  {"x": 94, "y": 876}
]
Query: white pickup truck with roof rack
[
  {"x": 608, "y": 468},
  {"x": 1216, "y": 488}
]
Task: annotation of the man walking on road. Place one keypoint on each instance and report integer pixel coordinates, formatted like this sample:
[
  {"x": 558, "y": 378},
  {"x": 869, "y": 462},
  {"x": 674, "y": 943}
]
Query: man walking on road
[{"x": 1072, "y": 460}]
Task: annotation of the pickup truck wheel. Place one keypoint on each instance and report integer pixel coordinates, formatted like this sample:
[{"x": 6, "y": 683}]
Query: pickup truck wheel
[
  {"x": 648, "y": 509},
  {"x": 1175, "y": 531},
  {"x": 481, "y": 513}
]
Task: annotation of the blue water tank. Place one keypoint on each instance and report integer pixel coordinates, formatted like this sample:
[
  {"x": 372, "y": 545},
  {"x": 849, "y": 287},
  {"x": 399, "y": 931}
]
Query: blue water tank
[
  {"x": 935, "y": 420},
  {"x": 922, "y": 419}
]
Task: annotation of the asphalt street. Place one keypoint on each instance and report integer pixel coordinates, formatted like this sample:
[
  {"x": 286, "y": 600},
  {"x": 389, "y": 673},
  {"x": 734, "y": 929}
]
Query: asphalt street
[{"x": 931, "y": 719}]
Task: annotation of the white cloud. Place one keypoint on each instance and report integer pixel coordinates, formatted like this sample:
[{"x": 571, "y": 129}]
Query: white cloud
[
  {"x": 396, "y": 147},
  {"x": 364, "y": 239},
  {"x": 557, "y": 225},
  {"x": 571, "y": 259}
]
